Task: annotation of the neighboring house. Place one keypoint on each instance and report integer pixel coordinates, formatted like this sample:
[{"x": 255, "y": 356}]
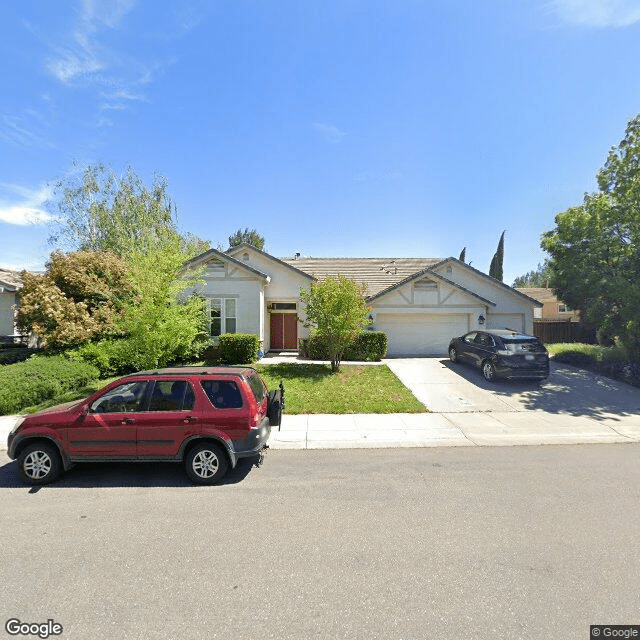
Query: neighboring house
[
  {"x": 419, "y": 303},
  {"x": 552, "y": 309},
  {"x": 10, "y": 284}
]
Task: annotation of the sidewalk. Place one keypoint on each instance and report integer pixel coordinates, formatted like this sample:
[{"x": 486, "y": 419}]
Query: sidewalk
[{"x": 364, "y": 431}]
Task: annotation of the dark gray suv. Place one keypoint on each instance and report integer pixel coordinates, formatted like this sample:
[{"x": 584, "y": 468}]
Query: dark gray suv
[{"x": 501, "y": 353}]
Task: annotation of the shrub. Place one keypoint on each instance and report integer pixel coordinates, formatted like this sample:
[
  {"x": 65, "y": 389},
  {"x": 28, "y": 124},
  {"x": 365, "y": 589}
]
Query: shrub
[
  {"x": 369, "y": 346},
  {"x": 9, "y": 355},
  {"x": 239, "y": 348},
  {"x": 30, "y": 382}
]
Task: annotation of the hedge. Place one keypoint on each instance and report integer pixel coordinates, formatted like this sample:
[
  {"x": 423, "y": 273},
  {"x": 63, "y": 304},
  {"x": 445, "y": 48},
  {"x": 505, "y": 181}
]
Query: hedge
[
  {"x": 239, "y": 348},
  {"x": 27, "y": 383},
  {"x": 369, "y": 346}
]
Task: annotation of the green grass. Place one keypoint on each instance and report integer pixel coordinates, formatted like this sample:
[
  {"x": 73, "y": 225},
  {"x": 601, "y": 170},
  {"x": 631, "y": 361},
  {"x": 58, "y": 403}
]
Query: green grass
[
  {"x": 312, "y": 388},
  {"x": 592, "y": 351}
]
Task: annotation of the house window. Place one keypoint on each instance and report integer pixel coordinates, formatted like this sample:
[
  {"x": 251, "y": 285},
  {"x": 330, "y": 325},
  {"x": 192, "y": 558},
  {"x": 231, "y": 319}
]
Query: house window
[
  {"x": 426, "y": 285},
  {"x": 562, "y": 308},
  {"x": 283, "y": 306},
  {"x": 222, "y": 316}
]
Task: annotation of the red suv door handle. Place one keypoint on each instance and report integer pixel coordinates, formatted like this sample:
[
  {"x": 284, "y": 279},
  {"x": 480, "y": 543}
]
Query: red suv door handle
[
  {"x": 190, "y": 419},
  {"x": 128, "y": 421}
]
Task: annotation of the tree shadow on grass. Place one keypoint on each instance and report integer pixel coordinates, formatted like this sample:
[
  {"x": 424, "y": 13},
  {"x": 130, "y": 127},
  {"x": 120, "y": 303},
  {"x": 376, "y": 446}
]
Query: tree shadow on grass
[{"x": 106, "y": 475}]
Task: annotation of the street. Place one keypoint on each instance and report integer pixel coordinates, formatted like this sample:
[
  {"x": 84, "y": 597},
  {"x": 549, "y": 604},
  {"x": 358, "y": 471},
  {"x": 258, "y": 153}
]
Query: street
[{"x": 491, "y": 542}]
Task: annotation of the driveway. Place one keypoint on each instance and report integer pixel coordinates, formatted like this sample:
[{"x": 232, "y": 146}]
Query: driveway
[{"x": 571, "y": 401}]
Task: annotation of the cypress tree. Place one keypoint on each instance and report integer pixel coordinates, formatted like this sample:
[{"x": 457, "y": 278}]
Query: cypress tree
[{"x": 495, "y": 270}]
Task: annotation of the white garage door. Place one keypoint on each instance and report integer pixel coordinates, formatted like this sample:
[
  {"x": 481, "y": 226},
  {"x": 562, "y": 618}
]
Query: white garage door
[
  {"x": 420, "y": 335},
  {"x": 513, "y": 321}
]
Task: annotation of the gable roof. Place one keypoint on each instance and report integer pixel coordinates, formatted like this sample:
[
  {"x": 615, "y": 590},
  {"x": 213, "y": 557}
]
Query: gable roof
[
  {"x": 432, "y": 274},
  {"x": 219, "y": 255},
  {"x": 10, "y": 280},
  {"x": 377, "y": 273},
  {"x": 497, "y": 283},
  {"x": 283, "y": 262}
]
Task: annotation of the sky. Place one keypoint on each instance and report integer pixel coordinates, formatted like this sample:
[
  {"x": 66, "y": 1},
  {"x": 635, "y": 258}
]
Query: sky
[{"x": 336, "y": 128}]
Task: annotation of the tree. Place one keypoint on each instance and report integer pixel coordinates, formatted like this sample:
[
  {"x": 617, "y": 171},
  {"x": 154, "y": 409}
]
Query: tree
[
  {"x": 101, "y": 211},
  {"x": 337, "y": 311},
  {"x": 595, "y": 247},
  {"x": 248, "y": 236},
  {"x": 80, "y": 297},
  {"x": 463, "y": 254},
  {"x": 539, "y": 277},
  {"x": 495, "y": 270}
]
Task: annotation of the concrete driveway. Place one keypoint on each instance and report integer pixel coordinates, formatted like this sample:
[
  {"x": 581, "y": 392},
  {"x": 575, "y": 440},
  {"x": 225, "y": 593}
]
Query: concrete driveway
[{"x": 570, "y": 402}]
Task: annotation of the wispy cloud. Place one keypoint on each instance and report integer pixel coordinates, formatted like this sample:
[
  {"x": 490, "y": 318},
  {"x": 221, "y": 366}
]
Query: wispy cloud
[
  {"x": 23, "y": 206},
  {"x": 84, "y": 56},
  {"x": 597, "y": 13},
  {"x": 329, "y": 131},
  {"x": 29, "y": 127}
]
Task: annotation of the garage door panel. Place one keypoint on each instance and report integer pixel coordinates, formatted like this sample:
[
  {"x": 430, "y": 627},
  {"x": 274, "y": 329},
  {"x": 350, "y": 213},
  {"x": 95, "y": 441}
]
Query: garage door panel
[{"x": 420, "y": 334}]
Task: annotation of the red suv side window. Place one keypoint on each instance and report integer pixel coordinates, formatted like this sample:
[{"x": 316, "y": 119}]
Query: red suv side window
[{"x": 224, "y": 394}]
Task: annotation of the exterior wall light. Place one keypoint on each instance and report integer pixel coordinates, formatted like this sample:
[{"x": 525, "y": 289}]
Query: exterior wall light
[{"x": 481, "y": 319}]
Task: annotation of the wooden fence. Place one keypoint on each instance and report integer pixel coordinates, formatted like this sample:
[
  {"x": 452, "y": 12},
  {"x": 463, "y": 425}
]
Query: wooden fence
[{"x": 551, "y": 331}]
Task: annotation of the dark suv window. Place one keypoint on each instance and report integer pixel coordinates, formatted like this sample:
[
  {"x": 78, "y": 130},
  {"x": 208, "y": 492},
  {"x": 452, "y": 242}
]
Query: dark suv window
[
  {"x": 523, "y": 346},
  {"x": 484, "y": 340},
  {"x": 125, "y": 398},
  {"x": 171, "y": 395},
  {"x": 257, "y": 386},
  {"x": 224, "y": 394}
]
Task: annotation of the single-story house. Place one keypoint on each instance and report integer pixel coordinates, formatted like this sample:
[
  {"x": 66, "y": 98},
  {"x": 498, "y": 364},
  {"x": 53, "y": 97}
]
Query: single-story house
[
  {"x": 552, "y": 310},
  {"x": 420, "y": 303},
  {"x": 10, "y": 284}
]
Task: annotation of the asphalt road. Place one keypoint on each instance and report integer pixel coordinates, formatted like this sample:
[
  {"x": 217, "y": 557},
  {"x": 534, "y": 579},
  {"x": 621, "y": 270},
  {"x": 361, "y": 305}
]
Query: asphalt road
[{"x": 504, "y": 542}]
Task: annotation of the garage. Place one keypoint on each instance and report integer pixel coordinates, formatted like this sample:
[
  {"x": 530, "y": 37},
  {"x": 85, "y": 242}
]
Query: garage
[{"x": 421, "y": 334}]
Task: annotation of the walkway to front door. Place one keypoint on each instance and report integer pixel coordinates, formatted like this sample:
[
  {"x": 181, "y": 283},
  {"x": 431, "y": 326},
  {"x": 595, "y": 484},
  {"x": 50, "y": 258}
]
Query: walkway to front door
[{"x": 284, "y": 331}]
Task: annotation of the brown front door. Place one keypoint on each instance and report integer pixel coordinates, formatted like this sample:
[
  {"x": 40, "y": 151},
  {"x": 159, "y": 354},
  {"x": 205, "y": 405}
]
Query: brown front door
[{"x": 284, "y": 331}]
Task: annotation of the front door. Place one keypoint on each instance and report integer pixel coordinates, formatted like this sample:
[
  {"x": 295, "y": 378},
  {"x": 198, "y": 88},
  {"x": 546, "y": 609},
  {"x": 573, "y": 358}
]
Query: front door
[{"x": 284, "y": 331}]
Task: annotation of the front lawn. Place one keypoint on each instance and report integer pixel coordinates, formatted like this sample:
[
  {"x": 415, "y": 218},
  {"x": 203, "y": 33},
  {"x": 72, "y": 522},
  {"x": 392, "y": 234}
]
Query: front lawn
[{"x": 312, "y": 388}]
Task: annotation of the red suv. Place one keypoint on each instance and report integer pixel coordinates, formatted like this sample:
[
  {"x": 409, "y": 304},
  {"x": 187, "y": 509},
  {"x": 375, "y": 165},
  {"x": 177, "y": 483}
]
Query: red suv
[{"x": 206, "y": 417}]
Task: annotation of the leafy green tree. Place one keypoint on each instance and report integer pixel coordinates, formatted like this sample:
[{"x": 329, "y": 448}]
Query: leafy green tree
[
  {"x": 595, "y": 247},
  {"x": 80, "y": 297},
  {"x": 463, "y": 254},
  {"x": 539, "y": 277},
  {"x": 336, "y": 311},
  {"x": 249, "y": 236},
  {"x": 495, "y": 270},
  {"x": 102, "y": 211}
]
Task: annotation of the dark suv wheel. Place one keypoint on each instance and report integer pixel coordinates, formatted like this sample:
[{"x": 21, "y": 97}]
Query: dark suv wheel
[
  {"x": 39, "y": 463},
  {"x": 488, "y": 371},
  {"x": 206, "y": 463},
  {"x": 453, "y": 354}
]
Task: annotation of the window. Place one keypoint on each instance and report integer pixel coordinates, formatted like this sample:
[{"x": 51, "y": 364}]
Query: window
[
  {"x": 426, "y": 285},
  {"x": 258, "y": 388},
  {"x": 283, "y": 306},
  {"x": 562, "y": 308},
  {"x": 224, "y": 394},
  {"x": 171, "y": 395},
  {"x": 124, "y": 398},
  {"x": 470, "y": 337},
  {"x": 222, "y": 316}
]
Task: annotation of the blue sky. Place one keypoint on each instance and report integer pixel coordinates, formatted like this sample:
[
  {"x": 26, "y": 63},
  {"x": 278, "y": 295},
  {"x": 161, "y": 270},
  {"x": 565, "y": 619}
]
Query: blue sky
[{"x": 383, "y": 128}]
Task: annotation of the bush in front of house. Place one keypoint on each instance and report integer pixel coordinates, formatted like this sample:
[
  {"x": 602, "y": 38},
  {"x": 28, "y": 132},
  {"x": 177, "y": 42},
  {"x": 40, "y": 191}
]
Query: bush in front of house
[
  {"x": 369, "y": 346},
  {"x": 27, "y": 383},
  {"x": 238, "y": 348}
]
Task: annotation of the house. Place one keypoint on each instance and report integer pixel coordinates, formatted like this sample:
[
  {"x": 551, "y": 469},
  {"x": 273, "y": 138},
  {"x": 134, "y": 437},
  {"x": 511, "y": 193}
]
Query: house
[
  {"x": 552, "y": 310},
  {"x": 419, "y": 303},
  {"x": 10, "y": 284}
]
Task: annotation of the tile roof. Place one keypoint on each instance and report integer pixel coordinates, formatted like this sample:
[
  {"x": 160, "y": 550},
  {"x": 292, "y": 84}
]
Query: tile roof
[
  {"x": 377, "y": 273},
  {"x": 541, "y": 294}
]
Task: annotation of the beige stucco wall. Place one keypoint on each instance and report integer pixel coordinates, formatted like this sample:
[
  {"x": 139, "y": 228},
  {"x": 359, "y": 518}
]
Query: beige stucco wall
[{"x": 7, "y": 300}]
